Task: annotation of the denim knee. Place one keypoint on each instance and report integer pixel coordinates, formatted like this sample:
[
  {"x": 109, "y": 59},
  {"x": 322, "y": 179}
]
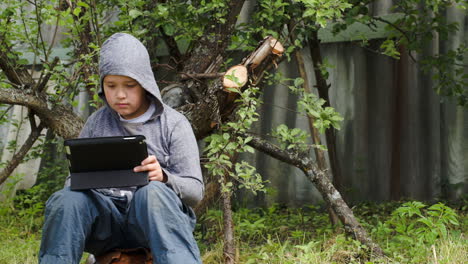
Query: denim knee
[
  {"x": 156, "y": 190},
  {"x": 66, "y": 200},
  {"x": 153, "y": 186}
]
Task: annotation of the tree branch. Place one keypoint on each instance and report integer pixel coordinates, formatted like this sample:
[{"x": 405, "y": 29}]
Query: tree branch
[
  {"x": 293, "y": 158},
  {"x": 60, "y": 118},
  {"x": 19, "y": 156},
  {"x": 196, "y": 76},
  {"x": 15, "y": 74},
  {"x": 321, "y": 180},
  {"x": 404, "y": 33}
]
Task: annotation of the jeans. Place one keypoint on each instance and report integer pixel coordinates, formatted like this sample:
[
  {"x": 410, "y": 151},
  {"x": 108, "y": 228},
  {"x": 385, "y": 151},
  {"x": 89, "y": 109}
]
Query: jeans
[{"x": 77, "y": 221}]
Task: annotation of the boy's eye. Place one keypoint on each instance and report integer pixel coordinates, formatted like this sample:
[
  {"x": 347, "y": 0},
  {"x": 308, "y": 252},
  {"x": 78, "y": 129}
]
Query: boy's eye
[{"x": 131, "y": 85}]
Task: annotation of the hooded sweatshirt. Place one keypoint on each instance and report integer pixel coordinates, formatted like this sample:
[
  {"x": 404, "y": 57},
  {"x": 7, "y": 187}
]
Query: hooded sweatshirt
[{"x": 168, "y": 133}]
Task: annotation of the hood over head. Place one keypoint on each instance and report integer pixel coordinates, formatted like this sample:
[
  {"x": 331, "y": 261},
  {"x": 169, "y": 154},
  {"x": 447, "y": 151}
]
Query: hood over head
[{"x": 123, "y": 54}]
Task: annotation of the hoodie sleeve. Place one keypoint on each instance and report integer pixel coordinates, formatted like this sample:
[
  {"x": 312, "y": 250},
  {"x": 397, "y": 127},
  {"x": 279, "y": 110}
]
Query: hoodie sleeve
[{"x": 183, "y": 171}]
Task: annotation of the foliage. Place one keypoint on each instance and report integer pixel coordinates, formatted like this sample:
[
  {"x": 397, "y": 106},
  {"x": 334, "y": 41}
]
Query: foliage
[
  {"x": 286, "y": 238},
  {"x": 322, "y": 11},
  {"x": 414, "y": 227},
  {"x": 325, "y": 117},
  {"x": 276, "y": 234},
  {"x": 291, "y": 138},
  {"x": 224, "y": 146},
  {"x": 420, "y": 24},
  {"x": 285, "y": 235}
]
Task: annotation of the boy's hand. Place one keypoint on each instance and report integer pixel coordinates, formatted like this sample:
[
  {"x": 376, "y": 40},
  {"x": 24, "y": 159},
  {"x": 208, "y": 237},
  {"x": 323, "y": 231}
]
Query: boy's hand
[{"x": 151, "y": 165}]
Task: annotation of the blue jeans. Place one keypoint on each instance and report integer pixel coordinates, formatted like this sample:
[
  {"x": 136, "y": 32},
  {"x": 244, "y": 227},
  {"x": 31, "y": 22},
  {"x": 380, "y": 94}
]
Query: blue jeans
[{"x": 77, "y": 221}]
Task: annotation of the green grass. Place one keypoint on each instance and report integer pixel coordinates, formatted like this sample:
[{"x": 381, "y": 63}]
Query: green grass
[{"x": 278, "y": 235}]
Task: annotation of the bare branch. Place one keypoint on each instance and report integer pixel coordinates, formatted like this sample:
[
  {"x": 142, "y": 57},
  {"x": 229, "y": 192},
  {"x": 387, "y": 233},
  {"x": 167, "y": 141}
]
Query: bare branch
[
  {"x": 197, "y": 76},
  {"x": 5, "y": 112},
  {"x": 19, "y": 156},
  {"x": 39, "y": 33},
  {"x": 16, "y": 74}
]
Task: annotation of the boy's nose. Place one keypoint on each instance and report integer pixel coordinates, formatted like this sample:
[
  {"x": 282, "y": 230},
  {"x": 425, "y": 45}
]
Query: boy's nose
[{"x": 120, "y": 94}]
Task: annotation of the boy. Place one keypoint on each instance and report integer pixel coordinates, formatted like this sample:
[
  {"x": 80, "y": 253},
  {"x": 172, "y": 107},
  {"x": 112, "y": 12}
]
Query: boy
[{"x": 157, "y": 216}]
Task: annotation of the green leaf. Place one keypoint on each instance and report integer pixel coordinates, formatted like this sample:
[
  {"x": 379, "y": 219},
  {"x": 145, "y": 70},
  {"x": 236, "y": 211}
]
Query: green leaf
[
  {"x": 77, "y": 11},
  {"x": 134, "y": 13},
  {"x": 83, "y": 4},
  {"x": 249, "y": 149},
  {"x": 169, "y": 29},
  {"x": 298, "y": 82}
]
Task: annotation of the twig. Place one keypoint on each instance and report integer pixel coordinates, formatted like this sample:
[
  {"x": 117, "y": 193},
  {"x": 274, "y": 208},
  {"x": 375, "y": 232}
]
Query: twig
[
  {"x": 405, "y": 34},
  {"x": 6, "y": 111},
  {"x": 55, "y": 34},
  {"x": 39, "y": 33},
  {"x": 164, "y": 65},
  {"x": 95, "y": 22},
  {"x": 40, "y": 86},
  {"x": 435, "y": 255},
  {"x": 14, "y": 85},
  {"x": 196, "y": 76}
]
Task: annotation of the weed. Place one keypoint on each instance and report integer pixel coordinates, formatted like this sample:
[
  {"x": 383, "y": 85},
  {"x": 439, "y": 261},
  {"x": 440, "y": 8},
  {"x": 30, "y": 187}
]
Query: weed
[
  {"x": 414, "y": 227},
  {"x": 280, "y": 235}
]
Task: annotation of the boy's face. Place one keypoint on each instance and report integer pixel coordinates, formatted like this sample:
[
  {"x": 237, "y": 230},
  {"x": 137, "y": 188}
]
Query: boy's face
[{"x": 125, "y": 96}]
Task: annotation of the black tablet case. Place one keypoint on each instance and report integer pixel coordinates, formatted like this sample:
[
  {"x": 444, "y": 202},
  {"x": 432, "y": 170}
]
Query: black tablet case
[{"x": 106, "y": 162}]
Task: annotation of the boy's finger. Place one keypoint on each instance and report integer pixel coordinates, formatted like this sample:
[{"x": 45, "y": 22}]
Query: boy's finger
[
  {"x": 149, "y": 159},
  {"x": 148, "y": 167}
]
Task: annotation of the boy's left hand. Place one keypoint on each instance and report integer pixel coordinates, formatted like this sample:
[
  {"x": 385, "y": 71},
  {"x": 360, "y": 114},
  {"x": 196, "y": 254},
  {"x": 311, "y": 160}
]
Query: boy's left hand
[{"x": 151, "y": 165}]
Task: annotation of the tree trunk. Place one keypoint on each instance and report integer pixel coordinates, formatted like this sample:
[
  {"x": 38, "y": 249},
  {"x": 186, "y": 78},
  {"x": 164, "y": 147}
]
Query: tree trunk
[
  {"x": 319, "y": 154},
  {"x": 229, "y": 249},
  {"x": 322, "y": 88}
]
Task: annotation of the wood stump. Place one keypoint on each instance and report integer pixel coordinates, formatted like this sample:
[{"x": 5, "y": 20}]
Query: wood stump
[{"x": 123, "y": 256}]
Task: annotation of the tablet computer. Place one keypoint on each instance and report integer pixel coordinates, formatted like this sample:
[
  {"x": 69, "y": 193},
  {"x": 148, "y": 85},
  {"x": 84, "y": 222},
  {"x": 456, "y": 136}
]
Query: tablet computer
[{"x": 106, "y": 162}]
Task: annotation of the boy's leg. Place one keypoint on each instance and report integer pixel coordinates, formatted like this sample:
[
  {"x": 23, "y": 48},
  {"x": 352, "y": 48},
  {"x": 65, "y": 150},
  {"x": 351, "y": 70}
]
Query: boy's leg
[
  {"x": 158, "y": 219},
  {"x": 71, "y": 220}
]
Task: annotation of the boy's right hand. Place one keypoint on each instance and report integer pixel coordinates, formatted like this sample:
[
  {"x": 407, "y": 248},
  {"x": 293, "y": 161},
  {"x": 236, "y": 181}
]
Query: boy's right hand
[{"x": 151, "y": 165}]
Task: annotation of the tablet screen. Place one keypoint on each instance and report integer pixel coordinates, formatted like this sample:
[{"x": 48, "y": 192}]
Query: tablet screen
[{"x": 105, "y": 153}]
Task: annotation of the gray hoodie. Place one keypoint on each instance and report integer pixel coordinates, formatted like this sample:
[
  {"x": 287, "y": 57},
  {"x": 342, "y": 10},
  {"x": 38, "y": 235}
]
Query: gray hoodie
[{"x": 168, "y": 133}]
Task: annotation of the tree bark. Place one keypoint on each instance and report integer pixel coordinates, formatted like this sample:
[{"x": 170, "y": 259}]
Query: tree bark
[
  {"x": 321, "y": 180},
  {"x": 61, "y": 119},
  {"x": 16, "y": 75},
  {"x": 229, "y": 248}
]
